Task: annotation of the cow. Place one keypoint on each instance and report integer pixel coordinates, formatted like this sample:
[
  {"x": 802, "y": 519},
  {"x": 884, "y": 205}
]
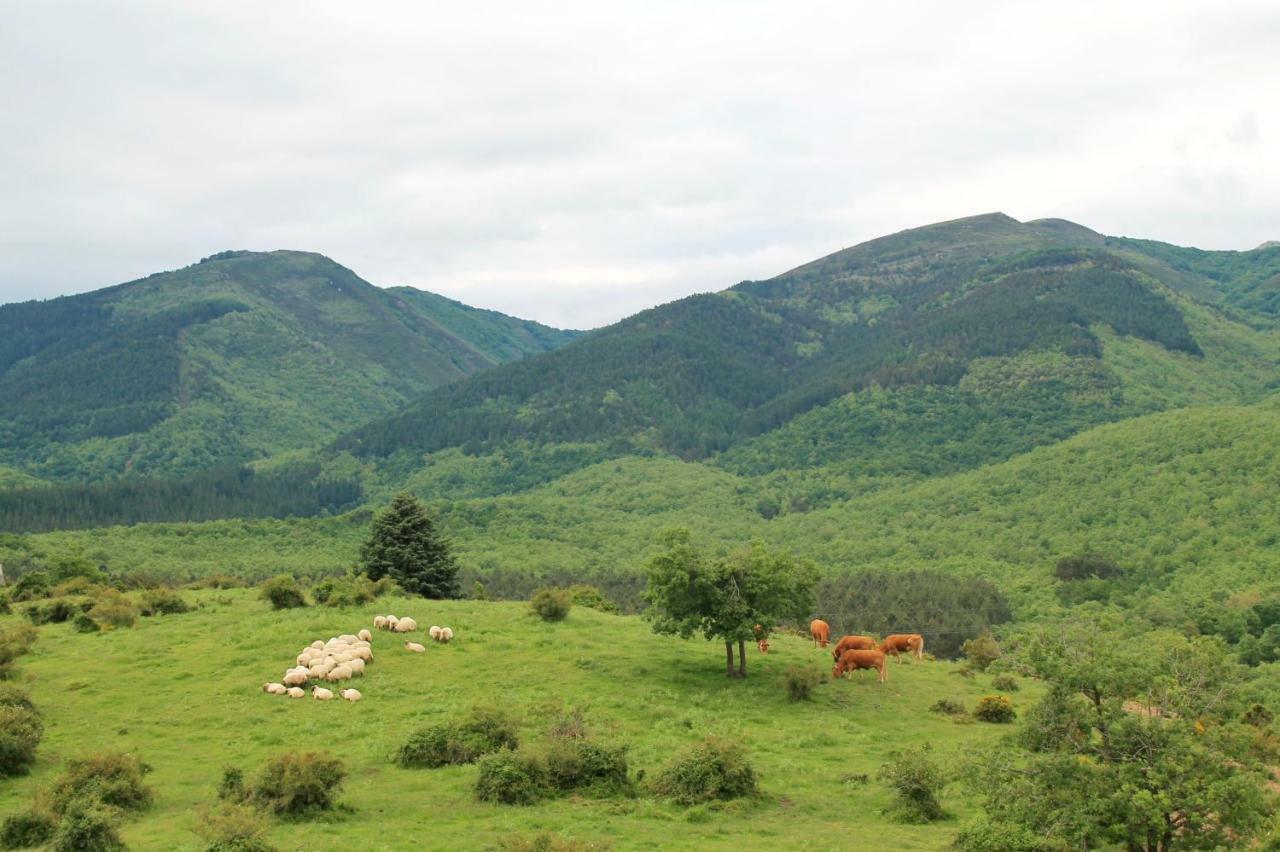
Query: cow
[
  {"x": 858, "y": 659},
  {"x": 912, "y": 643},
  {"x": 763, "y": 645},
  {"x": 821, "y": 632},
  {"x": 852, "y": 643}
]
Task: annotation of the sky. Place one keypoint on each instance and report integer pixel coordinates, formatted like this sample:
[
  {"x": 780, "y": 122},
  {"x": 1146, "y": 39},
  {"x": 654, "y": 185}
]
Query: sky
[{"x": 574, "y": 162}]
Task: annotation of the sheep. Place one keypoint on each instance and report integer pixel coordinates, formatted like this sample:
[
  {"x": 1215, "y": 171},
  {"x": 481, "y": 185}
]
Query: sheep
[
  {"x": 363, "y": 654},
  {"x": 351, "y": 694},
  {"x": 297, "y": 677},
  {"x": 406, "y": 625},
  {"x": 295, "y": 692},
  {"x": 415, "y": 647},
  {"x": 364, "y": 635},
  {"x": 434, "y": 632},
  {"x": 273, "y": 688},
  {"x": 391, "y": 622},
  {"x": 320, "y": 670},
  {"x": 318, "y": 645},
  {"x": 346, "y": 638},
  {"x": 356, "y": 666},
  {"x": 321, "y": 694},
  {"x": 379, "y": 622},
  {"x": 446, "y": 635},
  {"x": 339, "y": 673}
]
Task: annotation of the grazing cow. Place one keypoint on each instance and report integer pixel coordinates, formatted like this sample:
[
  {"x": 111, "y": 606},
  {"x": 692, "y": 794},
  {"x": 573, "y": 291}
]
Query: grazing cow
[
  {"x": 912, "y": 643},
  {"x": 820, "y": 631},
  {"x": 851, "y": 661},
  {"x": 763, "y": 645},
  {"x": 853, "y": 643}
]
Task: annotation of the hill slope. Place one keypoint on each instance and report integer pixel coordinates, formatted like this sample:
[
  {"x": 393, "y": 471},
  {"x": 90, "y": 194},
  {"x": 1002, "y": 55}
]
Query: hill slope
[{"x": 240, "y": 356}]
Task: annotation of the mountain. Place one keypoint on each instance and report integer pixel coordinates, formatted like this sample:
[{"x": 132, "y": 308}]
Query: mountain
[{"x": 238, "y": 357}]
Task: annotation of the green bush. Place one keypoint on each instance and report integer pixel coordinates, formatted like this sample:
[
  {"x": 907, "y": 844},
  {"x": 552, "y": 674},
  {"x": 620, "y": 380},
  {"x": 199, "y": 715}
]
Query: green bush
[
  {"x": 484, "y": 731},
  {"x": 234, "y": 827},
  {"x": 575, "y": 763},
  {"x": 551, "y": 604},
  {"x": 916, "y": 780},
  {"x": 948, "y": 707},
  {"x": 710, "y": 770},
  {"x": 231, "y": 788},
  {"x": 801, "y": 681},
  {"x": 283, "y": 592},
  {"x": 30, "y": 586},
  {"x": 16, "y": 696},
  {"x": 219, "y": 581},
  {"x": 981, "y": 651},
  {"x": 591, "y": 597},
  {"x": 113, "y": 609},
  {"x": 52, "y": 612},
  {"x": 297, "y": 784},
  {"x": 1005, "y": 683},
  {"x": 14, "y": 642},
  {"x": 27, "y": 830},
  {"x": 351, "y": 590},
  {"x": 1257, "y": 716},
  {"x": 20, "y": 732},
  {"x": 83, "y": 623},
  {"x": 511, "y": 778},
  {"x": 86, "y": 828},
  {"x": 994, "y": 708},
  {"x": 113, "y": 779},
  {"x": 162, "y": 602},
  {"x": 5, "y": 607},
  {"x": 982, "y": 835}
]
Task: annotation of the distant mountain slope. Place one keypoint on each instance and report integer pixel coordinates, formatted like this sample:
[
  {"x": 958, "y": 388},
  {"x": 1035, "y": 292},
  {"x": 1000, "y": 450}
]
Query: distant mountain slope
[{"x": 240, "y": 356}]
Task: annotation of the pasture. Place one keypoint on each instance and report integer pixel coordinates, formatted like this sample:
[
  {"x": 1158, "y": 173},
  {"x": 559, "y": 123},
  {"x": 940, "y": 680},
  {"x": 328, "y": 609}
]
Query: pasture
[{"x": 183, "y": 691}]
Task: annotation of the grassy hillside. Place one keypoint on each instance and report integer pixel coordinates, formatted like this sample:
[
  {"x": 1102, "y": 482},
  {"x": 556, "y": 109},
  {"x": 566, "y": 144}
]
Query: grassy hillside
[
  {"x": 238, "y": 357},
  {"x": 183, "y": 693}
]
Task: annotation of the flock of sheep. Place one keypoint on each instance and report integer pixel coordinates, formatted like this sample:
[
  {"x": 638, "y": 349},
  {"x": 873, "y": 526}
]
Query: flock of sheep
[{"x": 343, "y": 658}]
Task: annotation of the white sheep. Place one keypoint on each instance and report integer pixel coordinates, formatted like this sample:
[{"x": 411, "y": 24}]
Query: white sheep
[
  {"x": 434, "y": 632},
  {"x": 391, "y": 622},
  {"x": 379, "y": 622},
  {"x": 273, "y": 688},
  {"x": 415, "y": 647},
  {"x": 356, "y": 666},
  {"x": 321, "y": 694},
  {"x": 295, "y": 692},
  {"x": 318, "y": 645},
  {"x": 351, "y": 694},
  {"x": 364, "y": 635},
  {"x": 446, "y": 635},
  {"x": 297, "y": 677},
  {"x": 363, "y": 654},
  {"x": 339, "y": 673},
  {"x": 347, "y": 638},
  {"x": 406, "y": 625}
]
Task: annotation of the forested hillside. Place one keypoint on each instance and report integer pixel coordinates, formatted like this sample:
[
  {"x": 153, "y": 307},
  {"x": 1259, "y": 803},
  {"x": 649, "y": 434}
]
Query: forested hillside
[{"x": 238, "y": 357}]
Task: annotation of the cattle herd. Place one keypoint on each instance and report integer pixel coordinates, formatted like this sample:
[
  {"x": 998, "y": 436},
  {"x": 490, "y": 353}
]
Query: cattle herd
[{"x": 860, "y": 652}]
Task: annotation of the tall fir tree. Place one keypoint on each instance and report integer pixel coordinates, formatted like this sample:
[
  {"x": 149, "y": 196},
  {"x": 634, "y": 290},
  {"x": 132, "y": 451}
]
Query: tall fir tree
[{"x": 404, "y": 545}]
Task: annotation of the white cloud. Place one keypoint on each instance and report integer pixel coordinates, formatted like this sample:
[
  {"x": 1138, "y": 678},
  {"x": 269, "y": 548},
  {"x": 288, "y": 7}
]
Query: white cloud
[{"x": 577, "y": 162}]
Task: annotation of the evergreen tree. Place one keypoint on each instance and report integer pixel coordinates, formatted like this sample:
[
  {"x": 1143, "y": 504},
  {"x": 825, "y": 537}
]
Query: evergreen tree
[{"x": 404, "y": 545}]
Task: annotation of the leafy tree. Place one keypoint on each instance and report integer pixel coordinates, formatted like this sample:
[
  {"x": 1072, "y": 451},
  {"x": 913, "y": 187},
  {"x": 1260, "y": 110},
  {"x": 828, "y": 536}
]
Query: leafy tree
[
  {"x": 1137, "y": 744},
  {"x": 405, "y": 546},
  {"x": 725, "y": 597}
]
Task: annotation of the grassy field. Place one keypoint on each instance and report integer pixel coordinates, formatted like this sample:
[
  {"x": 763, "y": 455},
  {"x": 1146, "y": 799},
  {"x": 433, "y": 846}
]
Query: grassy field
[{"x": 183, "y": 692}]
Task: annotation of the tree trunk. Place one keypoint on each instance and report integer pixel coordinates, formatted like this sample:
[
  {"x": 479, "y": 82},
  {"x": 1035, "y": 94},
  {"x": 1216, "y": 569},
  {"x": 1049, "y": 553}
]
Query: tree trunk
[
  {"x": 728, "y": 659},
  {"x": 742, "y": 658}
]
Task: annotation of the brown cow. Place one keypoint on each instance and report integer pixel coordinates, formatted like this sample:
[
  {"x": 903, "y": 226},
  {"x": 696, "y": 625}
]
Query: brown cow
[
  {"x": 856, "y": 659},
  {"x": 852, "y": 643},
  {"x": 820, "y": 631},
  {"x": 763, "y": 645},
  {"x": 912, "y": 643}
]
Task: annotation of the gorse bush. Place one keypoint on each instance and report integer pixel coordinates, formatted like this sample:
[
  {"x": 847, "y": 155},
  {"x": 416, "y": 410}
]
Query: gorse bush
[
  {"x": 52, "y": 612},
  {"x": 16, "y": 696},
  {"x": 86, "y": 827},
  {"x": 283, "y": 592},
  {"x": 234, "y": 827},
  {"x": 30, "y": 586},
  {"x": 231, "y": 788},
  {"x": 27, "y": 830},
  {"x": 1005, "y": 683},
  {"x": 578, "y": 763},
  {"x": 83, "y": 623},
  {"x": 713, "y": 769},
  {"x": 483, "y": 731},
  {"x": 512, "y": 778},
  {"x": 162, "y": 602},
  {"x": 981, "y": 651},
  {"x": 113, "y": 609},
  {"x": 591, "y": 597},
  {"x": 916, "y": 780},
  {"x": 551, "y": 604},
  {"x": 994, "y": 708},
  {"x": 20, "y": 733},
  {"x": 296, "y": 784},
  {"x": 948, "y": 707},
  {"x": 112, "y": 779},
  {"x": 800, "y": 682}
]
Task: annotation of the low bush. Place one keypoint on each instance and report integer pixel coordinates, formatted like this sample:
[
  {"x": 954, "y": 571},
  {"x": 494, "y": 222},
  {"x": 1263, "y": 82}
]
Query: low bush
[
  {"x": 1257, "y": 716},
  {"x": 981, "y": 651},
  {"x": 983, "y": 835},
  {"x": 994, "y": 708},
  {"x": 1005, "y": 683},
  {"x": 916, "y": 780},
  {"x": 219, "y": 581},
  {"x": 55, "y": 611},
  {"x": 30, "y": 586},
  {"x": 162, "y": 602},
  {"x": 283, "y": 592},
  {"x": 86, "y": 828},
  {"x": 581, "y": 594},
  {"x": 16, "y": 696},
  {"x": 351, "y": 590},
  {"x": 14, "y": 642},
  {"x": 511, "y": 778},
  {"x": 295, "y": 784},
  {"x": 27, "y": 830},
  {"x": 551, "y": 604},
  {"x": 483, "y": 731},
  {"x": 801, "y": 681},
  {"x": 80, "y": 586},
  {"x": 20, "y": 733},
  {"x": 83, "y": 623},
  {"x": 5, "y": 607},
  {"x": 948, "y": 707},
  {"x": 579, "y": 764},
  {"x": 233, "y": 827},
  {"x": 113, "y": 779},
  {"x": 711, "y": 770},
  {"x": 113, "y": 609},
  {"x": 231, "y": 788}
]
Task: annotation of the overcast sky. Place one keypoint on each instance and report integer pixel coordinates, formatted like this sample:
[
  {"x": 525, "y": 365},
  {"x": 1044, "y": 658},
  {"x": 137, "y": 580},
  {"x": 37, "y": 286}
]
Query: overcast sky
[{"x": 577, "y": 162}]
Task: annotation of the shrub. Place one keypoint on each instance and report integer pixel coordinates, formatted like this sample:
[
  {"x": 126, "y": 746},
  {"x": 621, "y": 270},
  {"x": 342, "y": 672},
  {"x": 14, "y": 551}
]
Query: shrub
[
  {"x": 233, "y": 827},
  {"x": 86, "y": 828},
  {"x": 994, "y": 708},
  {"x": 1005, "y": 683},
  {"x": 75, "y": 586},
  {"x": 299, "y": 783},
  {"x": 551, "y": 604},
  {"x": 983, "y": 835},
  {"x": 231, "y": 788},
  {"x": 948, "y": 707},
  {"x": 351, "y": 590},
  {"x": 591, "y": 597},
  {"x": 219, "y": 581},
  {"x": 484, "y": 731},
  {"x": 1086, "y": 566},
  {"x": 16, "y": 696},
  {"x": 83, "y": 623},
  {"x": 113, "y": 779},
  {"x": 801, "y": 681},
  {"x": 30, "y": 586},
  {"x": 27, "y": 830},
  {"x": 1257, "y": 716},
  {"x": 981, "y": 651},
  {"x": 52, "y": 612},
  {"x": 113, "y": 609},
  {"x": 162, "y": 602},
  {"x": 576, "y": 763},
  {"x": 916, "y": 780},
  {"x": 5, "y": 608},
  {"x": 283, "y": 592},
  {"x": 713, "y": 769},
  {"x": 511, "y": 778},
  {"x": 20, "y": 732},
  {"x": 14, "y": 642}
]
